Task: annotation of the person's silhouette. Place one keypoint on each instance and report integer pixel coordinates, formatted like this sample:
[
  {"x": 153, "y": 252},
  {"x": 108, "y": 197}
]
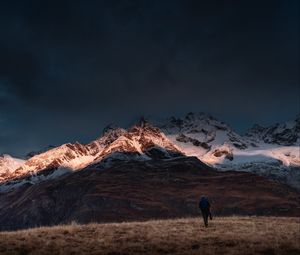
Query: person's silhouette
[{"x": 204, "y": 206}]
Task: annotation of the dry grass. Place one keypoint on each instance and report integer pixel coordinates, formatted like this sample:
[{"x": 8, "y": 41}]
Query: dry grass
[{"x": 228, "y": 235}]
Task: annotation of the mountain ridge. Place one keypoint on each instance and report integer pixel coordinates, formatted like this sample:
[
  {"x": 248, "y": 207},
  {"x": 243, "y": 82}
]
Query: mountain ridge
[{"x": 196, "y": 134}]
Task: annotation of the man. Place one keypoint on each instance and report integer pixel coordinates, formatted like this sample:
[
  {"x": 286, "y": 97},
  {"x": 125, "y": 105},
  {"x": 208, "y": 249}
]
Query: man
[{"x": 204, "y": 206}]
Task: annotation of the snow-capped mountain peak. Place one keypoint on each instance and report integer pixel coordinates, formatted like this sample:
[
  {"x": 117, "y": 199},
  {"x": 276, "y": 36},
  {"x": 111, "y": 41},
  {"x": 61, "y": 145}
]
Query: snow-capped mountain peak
[
  {"x": 142, "y": 139},
  {"x": 215, "y": 143},
  {"x": 140, "y": 142},
  {"x": 8, "y": 164},
  {"x": 270, "y": 151},
  {"x": 287, "y": 133},
  {"x": 198, "y": 133}
]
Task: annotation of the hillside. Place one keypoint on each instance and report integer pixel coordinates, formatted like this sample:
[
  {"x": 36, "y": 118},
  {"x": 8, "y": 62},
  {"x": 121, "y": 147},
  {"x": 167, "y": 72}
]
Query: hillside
[
  {"x": 229, "y": 235},
  {"x": 146, "y": 172},
  {"x": 139, "y": 190}
]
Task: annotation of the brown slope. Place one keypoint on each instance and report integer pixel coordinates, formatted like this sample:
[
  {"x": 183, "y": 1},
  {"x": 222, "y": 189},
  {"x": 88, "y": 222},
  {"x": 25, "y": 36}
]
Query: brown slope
[{"x": 143, "y": 190}]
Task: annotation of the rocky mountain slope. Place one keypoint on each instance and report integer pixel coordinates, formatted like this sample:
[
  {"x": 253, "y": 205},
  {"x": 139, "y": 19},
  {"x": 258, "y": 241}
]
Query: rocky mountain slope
[
  {"x": 199, "y": 133},
  {"x": 8, "y": 165},
  {"x": 286, "y": 134},
  {"x": 140, "y": 142},
  {"x": 137, "y": 190},
  {"x": 147, "y": 171},
  {"x": 272, "y": 151}
]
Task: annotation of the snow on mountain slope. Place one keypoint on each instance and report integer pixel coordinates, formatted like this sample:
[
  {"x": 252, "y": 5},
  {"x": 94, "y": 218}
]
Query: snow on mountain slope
[
  {"x": 141, "y": 142},
  {"x": 33, "y": 153},
  {"x": 287, "y": 133},
  {"x": 67, "y": 156},
  {"x": 62, "y": 159},
  {"x": 261, "y": 150},
  {"x": 197, "y": 134},
  {"x": 281, "y": 163},
  {"x": 286, "y": 155},
  {"x": 8, "y": 164},
  {"x": 109, "y": 135}
]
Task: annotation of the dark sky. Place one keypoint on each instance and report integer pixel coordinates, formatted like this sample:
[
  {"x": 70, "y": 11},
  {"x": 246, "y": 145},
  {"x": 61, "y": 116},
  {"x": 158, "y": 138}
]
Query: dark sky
[{"x": 68, "y": 68}]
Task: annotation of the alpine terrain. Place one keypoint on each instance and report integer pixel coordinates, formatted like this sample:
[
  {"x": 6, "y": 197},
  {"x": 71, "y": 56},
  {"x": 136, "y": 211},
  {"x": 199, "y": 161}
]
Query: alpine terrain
[
  {"x": 155, "y": 170},
  {"x": 272, "y": 151}
]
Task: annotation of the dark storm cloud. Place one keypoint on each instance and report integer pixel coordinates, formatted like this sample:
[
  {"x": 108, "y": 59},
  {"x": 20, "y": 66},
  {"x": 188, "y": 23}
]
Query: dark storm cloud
[{"x": 67, "y": 68}]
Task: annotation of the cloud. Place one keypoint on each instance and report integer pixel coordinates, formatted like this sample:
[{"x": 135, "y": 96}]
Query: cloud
[{"x": 69, "y": 68}]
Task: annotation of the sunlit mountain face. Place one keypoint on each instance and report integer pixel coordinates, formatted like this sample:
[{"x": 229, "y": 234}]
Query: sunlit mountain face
[{"x": 268, "y": 151}]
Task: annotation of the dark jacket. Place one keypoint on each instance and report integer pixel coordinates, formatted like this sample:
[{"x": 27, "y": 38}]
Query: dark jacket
[{"x": 204, "y": 203}]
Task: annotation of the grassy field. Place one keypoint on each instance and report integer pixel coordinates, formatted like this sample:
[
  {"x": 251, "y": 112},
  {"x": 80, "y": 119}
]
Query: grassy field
[{"x": 227, "y": 235}]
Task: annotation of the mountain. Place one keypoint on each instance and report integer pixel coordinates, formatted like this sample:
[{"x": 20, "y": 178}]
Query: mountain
[
  {"x": 154, "y": 170},
  {"x": 33, "y": 153},
  {"x": 144, "y": 140},
  {"x": 287, "y": 133},
  {"x": 138, "y": 190},
  {"x": 198, "y": 133},
  {"x": 7, "y": 165},
  {"x": 273, "y": 151},
  {"x": 140, "y": 142}
]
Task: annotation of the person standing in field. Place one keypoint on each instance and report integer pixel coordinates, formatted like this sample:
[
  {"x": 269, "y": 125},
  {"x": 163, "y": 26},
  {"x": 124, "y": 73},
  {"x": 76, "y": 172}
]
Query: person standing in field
[{"x": 204, "y": 206}]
